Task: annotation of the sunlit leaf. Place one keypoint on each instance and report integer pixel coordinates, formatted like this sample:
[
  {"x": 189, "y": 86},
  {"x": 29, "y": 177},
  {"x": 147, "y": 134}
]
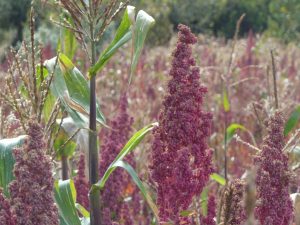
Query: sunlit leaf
[
  {"x": 130, "y": 145},
  {"x": 7, "y": 161},
  {"x": 122, "y": 36},
  {"x": 292, "y": 121},
  {"x": 78, "y": 88},
  {"x": 231, "y": 130},
  {"x": 218, "y": 178},
  {"x": 68, "y": 43},
  {"x": 60, "y": 90},
  {"x": 141, "y": 27},
  {"x": 82, "y": 210}
]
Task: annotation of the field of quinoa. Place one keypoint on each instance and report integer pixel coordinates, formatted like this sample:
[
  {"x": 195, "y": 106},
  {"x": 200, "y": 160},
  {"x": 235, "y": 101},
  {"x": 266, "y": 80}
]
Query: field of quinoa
[{"x": 200, "y": 131}]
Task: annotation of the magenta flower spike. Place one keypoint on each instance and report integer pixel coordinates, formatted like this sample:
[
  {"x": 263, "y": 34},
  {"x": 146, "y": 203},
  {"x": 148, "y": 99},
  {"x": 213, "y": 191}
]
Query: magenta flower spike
[
  {"x": 6, "y": 217},
  {"x": 274, "y": 205},
  {"x": 32, "y": 200},
  {"x": 181, "y": 160},
  {"x": 114, "y": 193}
]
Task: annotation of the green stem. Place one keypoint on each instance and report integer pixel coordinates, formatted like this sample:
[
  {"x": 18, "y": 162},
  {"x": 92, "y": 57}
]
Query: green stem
[{"x": 93, "y": 150}]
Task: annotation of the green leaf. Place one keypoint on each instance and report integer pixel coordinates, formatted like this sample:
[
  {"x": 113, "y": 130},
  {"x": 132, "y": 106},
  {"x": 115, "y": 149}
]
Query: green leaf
[
  {"x": 123, "y": 35},
  {"x": 48, "y": 106},
  {"x": 204, "y": 201},
  {"x": 59, "y": 90},
  {"x": 68, "y": 43},
  {"x": 292, "y": 121},
  {"x": 65, "y": 197},
  {"x": 7, "y": 161},
  {"x": 218, "y": 178},
  {"x": 85, "y": 221},
  {"x": 141, "y": 27},
  {"x": 78, "y": 88},
  {"x": 138, "y": 182},
  {"x": 231, "y": 130},
  {"x": 63, "y": 150},
  {"x": 131, "y": 144},
  {"x": 82, "y": 210},
  {"x": 226, "y": 103}
]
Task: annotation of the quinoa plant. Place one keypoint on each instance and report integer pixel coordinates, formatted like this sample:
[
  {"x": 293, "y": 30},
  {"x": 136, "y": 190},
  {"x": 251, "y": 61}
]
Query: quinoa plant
[
  {"x": 180, "y": 157},
  {"x": 274, "y": 205}
]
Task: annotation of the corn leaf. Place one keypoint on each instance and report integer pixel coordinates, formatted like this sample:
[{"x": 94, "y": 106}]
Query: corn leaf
[
  {"x": 7, "y": 161},
  {"x": 123, "y": 35},
  {"x": 78, "y": 88},
  {"x": 65, "y": 197},
  {"x": 292, "y": 121},
  {"x": 82, "y": 210},
  {"x": 131, "y": 144},
  {"x": 59, "y": 90},
  {"x": 139, "y": 183},
  {"x": 141, "y": 27}
]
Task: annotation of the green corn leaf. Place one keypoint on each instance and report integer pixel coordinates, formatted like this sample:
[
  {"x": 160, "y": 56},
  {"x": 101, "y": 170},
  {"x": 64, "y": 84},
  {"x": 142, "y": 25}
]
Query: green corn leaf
[
  {"x": 82, "y": 210},
  {"x": 48, "y": 106},
  {"x": 138, "y": 182},
  {"x": 78, "y": 88},
  {"x": 141, "y": 27},
  {"x": 85, "y": 221},
  {"x": 65, "y": 197},
  {"x": 218, "y": 178},
  {"x": 59, "y": 90},
  {"x": 131, "y": 144},
  {"x": 231, "y": 130},
  {"x": 292, "y": 121},
  {"x": 7, "y": 161},
  {"x": 123, "y": 35}
]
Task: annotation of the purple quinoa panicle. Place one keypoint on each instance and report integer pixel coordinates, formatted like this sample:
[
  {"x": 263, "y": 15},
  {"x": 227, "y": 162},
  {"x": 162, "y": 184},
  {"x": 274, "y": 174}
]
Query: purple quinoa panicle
[
  {"x": 233, "y": 211},
  {"x": 32, "y": 201},
  {"x": 6, "y": 217},
  {"x": 209, "y": 219},
  {"x": 181, "y": 160},
  {"x": 81, "y": 183},
  {"x": 274, "y": 205},
  {"x": 114, "y": 140}
]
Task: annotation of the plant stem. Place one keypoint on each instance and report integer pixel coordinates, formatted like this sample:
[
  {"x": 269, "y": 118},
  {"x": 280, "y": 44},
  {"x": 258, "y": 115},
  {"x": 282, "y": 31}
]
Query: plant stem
[
  {"x": 93, "y": 150},
  {"x": 274, "y": 79},
  {"x": 64, "y": 168}
]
